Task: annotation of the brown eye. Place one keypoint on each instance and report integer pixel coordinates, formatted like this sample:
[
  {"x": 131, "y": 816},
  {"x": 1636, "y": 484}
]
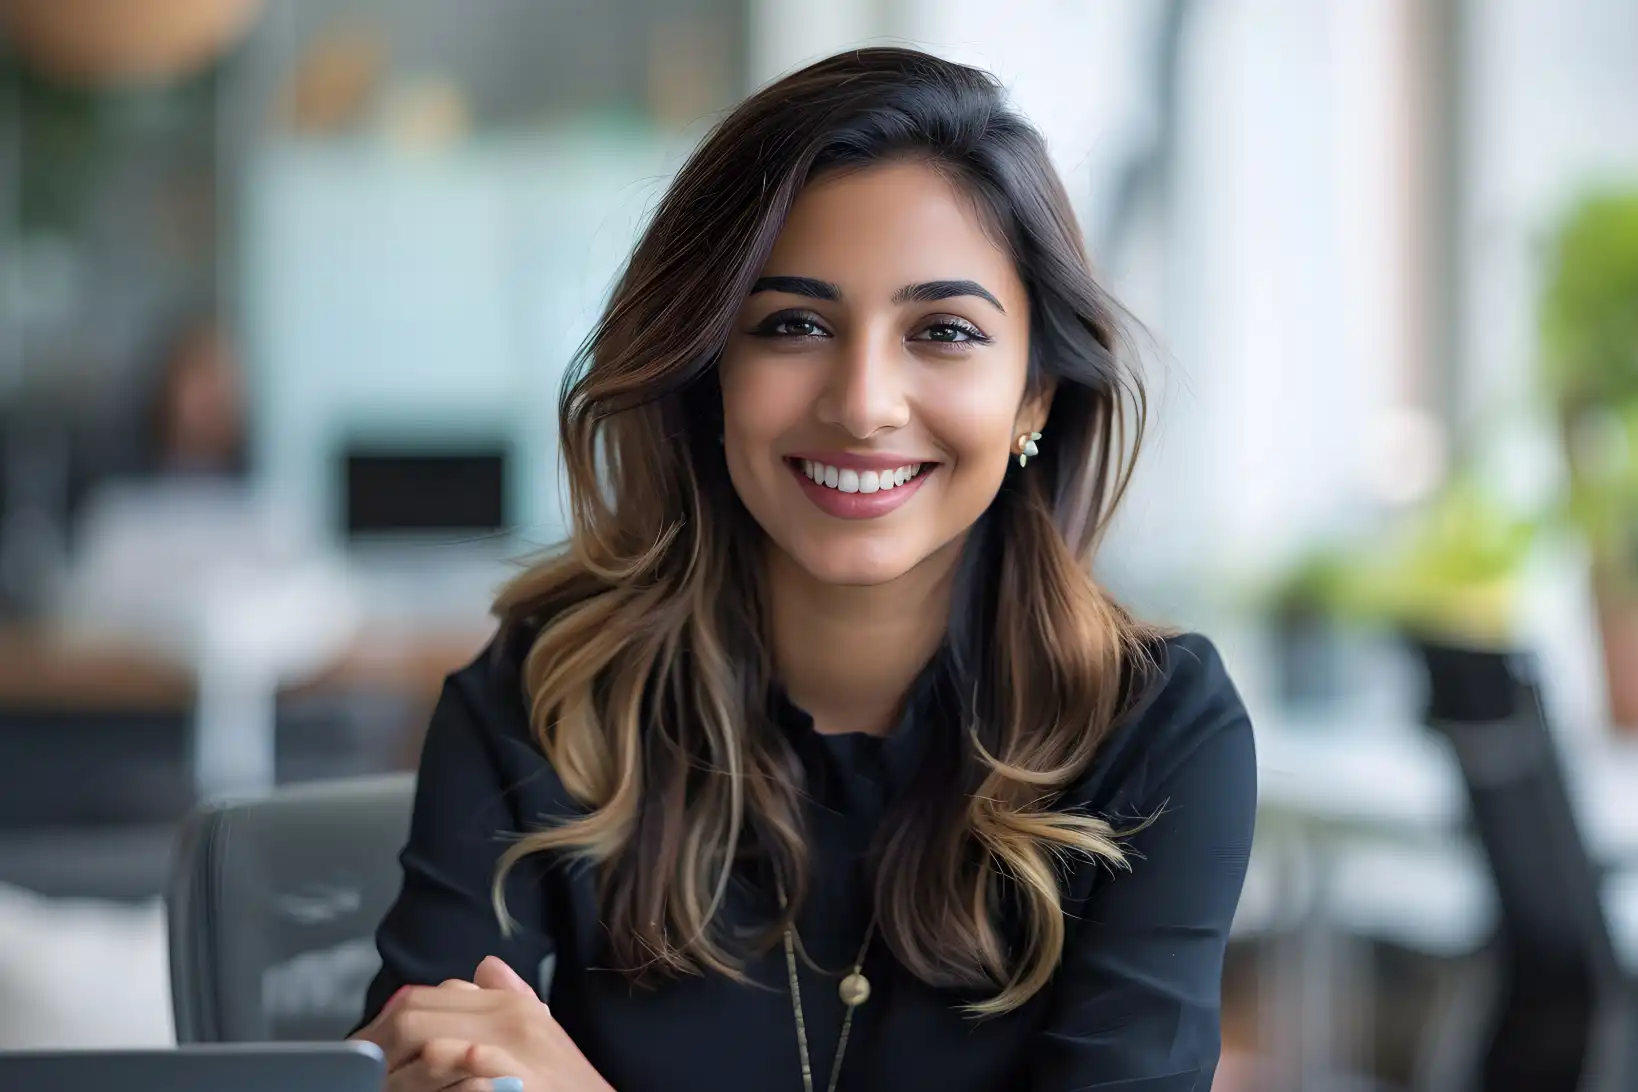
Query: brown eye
[
  {"x": 790, "y": 324},
  {"x": 951, "y": 332}
]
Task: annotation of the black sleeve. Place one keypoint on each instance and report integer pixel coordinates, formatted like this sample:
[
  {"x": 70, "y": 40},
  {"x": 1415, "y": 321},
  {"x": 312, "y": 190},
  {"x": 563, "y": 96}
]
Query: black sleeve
[
  {"x": 1137, "y": 1003},
  {"x": 443, "y": 922}
]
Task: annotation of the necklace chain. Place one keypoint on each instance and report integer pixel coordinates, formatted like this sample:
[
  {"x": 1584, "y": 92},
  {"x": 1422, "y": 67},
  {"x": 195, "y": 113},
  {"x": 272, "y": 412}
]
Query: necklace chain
[{"x": 847, "y": 1018}]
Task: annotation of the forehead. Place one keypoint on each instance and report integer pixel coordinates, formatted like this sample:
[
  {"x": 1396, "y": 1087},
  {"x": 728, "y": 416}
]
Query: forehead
[{"x": 874, "y": 230}]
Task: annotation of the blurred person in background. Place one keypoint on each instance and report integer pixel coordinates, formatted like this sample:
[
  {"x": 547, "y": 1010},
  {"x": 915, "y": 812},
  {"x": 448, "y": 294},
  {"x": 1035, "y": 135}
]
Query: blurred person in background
[
  {"x": 151, "y": 538},
  {"x": 195, "y": 419},
  {"x": 818, "y": 758}
]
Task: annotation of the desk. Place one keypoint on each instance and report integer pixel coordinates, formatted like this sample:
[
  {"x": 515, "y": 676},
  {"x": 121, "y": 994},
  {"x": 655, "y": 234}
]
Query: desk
[{"x": 43, "y": 668}]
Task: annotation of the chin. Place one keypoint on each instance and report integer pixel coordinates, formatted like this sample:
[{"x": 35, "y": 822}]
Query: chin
[{"x": 860, "y": 567}]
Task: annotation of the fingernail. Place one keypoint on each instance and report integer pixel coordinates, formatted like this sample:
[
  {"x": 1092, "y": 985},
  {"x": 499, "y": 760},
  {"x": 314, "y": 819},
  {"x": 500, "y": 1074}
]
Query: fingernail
[
  {"x": 506, "y": 1084},
  {"x": 396, "y": 994}
]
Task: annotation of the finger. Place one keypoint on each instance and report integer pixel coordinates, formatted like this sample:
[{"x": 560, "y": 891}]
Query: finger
[
  {"x": 370, "y": 1032},
  {"x": 428, "y": 1013},
  {"x": 437, "y": 1067},
  {"x": 407, "y": 1080},
  {"x": 495, "y": 1062},
  {"x": 488, "y": 1084},
  {"x": 458, "y": 984},
  {"x": 405, "y": 1036},
  {"x": 450, "y": 1064},
  {"x": 495, "y": 973},
  {"x": 471, "y": 998},
  {"x": 444, "y": 1060}
]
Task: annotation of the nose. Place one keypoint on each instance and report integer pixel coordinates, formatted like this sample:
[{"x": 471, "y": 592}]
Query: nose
[{"x": 865, "y": 392}]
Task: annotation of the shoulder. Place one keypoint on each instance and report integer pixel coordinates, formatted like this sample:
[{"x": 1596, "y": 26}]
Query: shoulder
[
  {"x": 482, "y": 720},
  {"x": 1182, "y": 698},
  {"x": 1183, "y": 708},
  {"x": 492, "y": 683}
]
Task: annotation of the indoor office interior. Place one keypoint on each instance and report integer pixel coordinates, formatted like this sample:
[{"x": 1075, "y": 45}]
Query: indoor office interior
[{"x": 287, "y": 290}]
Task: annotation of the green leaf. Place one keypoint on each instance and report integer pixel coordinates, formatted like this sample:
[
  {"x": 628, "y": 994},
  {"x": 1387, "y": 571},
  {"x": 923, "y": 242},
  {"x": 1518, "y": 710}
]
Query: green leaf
[{"x": 1589, "y": 311}]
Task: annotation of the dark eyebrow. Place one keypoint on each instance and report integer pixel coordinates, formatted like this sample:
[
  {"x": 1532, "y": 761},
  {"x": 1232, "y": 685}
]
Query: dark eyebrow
[
  {"x": 933, "y": 291},
  {"x": 798, "y": 286}
]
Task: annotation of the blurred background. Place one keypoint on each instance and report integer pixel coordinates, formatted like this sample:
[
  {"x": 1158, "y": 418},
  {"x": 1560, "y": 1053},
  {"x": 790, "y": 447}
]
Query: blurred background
[{"x": 287, "y": 288}]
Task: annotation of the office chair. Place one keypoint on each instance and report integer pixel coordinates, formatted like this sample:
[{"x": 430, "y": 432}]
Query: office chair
[
  {"x": 1552, "y": 1010},
  {"x": 273, "y": 905}
]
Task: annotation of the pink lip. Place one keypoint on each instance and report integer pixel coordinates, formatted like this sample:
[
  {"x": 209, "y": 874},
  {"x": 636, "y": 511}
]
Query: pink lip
[
  {"x": 845, "y": 460},
  {"x": 834, "y": 502}
]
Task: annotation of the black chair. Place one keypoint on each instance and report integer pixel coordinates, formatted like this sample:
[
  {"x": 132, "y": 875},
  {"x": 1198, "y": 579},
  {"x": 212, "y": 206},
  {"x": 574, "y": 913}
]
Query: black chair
[
  {"x": 1557, "y": 1011},
  {"x": 273, "y": 906}
]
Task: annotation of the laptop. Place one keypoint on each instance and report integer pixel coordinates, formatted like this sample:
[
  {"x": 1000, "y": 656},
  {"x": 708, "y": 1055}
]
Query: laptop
[{"x": 241, "y": 1067}]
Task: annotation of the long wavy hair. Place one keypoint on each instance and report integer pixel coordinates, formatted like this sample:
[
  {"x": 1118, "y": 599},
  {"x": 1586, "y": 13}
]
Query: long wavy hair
[{"x": 649, "y": 677}]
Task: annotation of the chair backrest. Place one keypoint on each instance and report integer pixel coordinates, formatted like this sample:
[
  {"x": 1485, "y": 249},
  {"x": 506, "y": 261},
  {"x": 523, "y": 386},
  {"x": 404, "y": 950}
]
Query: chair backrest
[
  {"x": 273, "y": 905},
  {"x": 1562, "y": 979}
]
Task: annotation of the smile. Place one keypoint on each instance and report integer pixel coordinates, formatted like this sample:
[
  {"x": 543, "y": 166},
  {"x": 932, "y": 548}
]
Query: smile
[
  {"x": 858, "y": 492},
  {"x": 846, "y": 480}
]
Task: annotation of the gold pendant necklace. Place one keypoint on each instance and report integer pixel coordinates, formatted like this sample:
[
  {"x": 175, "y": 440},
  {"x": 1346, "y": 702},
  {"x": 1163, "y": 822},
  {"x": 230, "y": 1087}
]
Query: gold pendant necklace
[{"x": 854, "y": 991}]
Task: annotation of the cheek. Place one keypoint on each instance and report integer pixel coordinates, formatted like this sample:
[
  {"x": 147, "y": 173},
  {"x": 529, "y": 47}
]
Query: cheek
[
  {"x": 761, "y": 402},
  {"x": 975, "y": 421},
  {"x": 762, "y": 396}
]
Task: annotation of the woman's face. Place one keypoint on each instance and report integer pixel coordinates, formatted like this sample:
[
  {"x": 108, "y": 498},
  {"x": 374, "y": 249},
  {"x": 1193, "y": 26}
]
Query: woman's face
[{"x": 874, "y": 387}]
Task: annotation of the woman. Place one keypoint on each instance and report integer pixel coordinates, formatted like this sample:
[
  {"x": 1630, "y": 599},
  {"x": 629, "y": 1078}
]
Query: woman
[
  {"x": 196, "y": 420},
  {"x": 817, "y": 760}
]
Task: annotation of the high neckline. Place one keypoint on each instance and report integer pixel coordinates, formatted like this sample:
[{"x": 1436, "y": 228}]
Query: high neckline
[{"x": 856, "y": 772}]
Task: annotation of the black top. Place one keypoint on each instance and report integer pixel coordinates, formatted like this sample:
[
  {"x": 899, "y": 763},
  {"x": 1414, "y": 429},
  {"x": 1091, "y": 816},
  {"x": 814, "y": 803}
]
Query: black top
[{"x": 1134, "y": 1007}]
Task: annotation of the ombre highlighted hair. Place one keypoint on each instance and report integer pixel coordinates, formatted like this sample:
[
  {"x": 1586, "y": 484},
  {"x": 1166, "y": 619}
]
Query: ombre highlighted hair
[{"x": 649, "y": 682}]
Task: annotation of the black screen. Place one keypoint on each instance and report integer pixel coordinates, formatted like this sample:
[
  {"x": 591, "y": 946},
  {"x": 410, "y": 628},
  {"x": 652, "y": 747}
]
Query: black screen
[{"x": 394, "y": 493}]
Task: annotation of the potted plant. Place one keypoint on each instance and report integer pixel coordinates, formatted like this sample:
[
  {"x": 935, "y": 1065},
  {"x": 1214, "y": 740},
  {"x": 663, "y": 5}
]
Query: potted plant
[
  {"x": 1448, "y": 571},
  {"x": 1455, "y": 571},
  {"x": 1306, "y": 609},
  {"x": 1589, "y": 326}
]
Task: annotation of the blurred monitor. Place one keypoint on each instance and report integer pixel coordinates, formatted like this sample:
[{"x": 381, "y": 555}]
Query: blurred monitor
[
  {"x": 392, "y": 494},
  {"x": 407, "y": 320}
]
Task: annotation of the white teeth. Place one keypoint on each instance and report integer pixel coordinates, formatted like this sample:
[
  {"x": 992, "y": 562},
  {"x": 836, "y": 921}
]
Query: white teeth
[{"x": 859, "y": 481}]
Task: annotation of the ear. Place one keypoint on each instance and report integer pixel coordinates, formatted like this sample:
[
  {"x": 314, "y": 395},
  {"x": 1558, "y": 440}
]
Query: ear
[{"x": 1037, "y": 404}]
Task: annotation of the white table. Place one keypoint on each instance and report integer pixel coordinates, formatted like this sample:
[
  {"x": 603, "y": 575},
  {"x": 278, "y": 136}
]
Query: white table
[{"x": 1399, "y": 781}]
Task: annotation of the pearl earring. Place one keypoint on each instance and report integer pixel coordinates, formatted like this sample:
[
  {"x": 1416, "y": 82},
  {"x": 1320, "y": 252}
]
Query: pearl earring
[{"x": 1026, "y": 446}]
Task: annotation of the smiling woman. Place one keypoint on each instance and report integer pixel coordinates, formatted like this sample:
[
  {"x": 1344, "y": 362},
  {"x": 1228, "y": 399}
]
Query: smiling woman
[
  {"x": 817, "y": 757},
  {"x": 871, "y": 343}
]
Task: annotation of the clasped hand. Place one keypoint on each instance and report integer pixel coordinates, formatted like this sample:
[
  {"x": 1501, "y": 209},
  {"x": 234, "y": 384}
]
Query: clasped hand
[{"x": 462, "y": 1036}]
